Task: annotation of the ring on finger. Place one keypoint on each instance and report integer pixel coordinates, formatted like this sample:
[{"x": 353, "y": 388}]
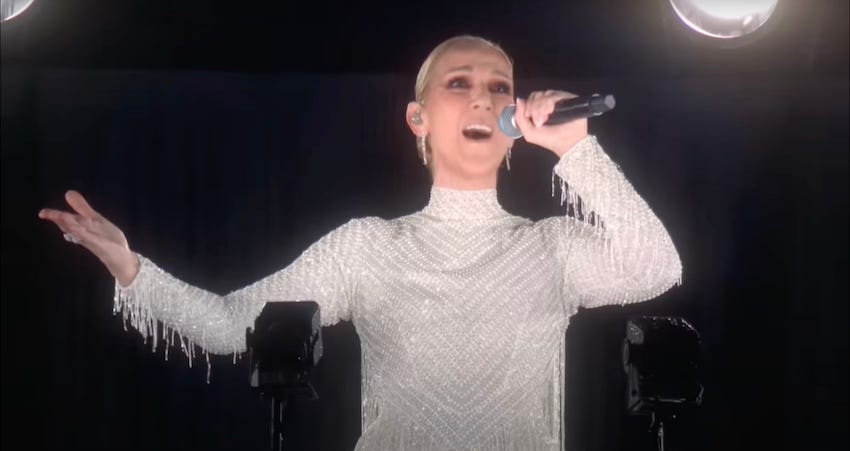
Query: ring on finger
[{"x": 71, "y": 238}]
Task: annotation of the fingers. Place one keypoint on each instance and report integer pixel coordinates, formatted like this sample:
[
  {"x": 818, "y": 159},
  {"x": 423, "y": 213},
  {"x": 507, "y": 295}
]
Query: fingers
[
  {"x": 541, "y": 104},
  {"x": 79, "y": 204},
  {"x": 521, "y": 117},
  {"x": 532, "y": 113},
  {"x": 64, "y": 220},
  {"x": 70, "y": 223}
]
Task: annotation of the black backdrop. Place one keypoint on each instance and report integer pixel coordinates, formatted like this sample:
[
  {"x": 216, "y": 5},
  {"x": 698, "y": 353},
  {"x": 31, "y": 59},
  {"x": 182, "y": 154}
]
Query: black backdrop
[{"x": 222, "y": 178}]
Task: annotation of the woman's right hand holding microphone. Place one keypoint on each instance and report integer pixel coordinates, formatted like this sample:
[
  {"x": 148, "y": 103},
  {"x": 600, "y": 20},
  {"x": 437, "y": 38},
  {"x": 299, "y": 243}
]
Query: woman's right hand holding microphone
[{"x": 97, "y": 234}]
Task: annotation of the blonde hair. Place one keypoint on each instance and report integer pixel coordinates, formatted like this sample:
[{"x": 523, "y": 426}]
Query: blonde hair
[{"x": 462, "y": 42}]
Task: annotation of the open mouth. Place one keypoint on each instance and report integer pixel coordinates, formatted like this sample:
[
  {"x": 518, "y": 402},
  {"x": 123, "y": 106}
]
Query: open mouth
[{"x": 477, "y": 132}]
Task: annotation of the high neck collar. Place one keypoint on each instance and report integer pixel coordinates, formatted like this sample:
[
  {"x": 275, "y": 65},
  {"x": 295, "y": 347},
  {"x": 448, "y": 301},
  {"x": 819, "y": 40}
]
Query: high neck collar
[{"x": 449, "y": 203}]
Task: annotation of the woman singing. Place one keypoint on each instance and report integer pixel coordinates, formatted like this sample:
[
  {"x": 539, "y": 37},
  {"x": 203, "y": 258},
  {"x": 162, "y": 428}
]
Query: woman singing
[{"x": 461, "y": 307}]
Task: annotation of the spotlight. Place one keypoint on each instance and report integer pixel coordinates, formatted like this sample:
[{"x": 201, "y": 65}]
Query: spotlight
[
  {"x": 727, "y": 20},
  {"x": 11, "y": 8},
  {"x": 660, "y": 356},
  {"x": 285, "y": 345}
]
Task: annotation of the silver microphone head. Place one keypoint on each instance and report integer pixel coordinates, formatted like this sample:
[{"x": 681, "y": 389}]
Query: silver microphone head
[{"x": 507, "y": 123}]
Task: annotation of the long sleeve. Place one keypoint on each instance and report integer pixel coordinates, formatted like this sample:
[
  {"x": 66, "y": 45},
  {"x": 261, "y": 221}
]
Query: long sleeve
[
  {"x": 324, "y": 273},
  {"x": 625, "y": 255}
]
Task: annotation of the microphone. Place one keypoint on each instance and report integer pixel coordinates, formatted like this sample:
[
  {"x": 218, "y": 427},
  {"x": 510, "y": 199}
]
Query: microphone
[{"x": 565, "y": 111}]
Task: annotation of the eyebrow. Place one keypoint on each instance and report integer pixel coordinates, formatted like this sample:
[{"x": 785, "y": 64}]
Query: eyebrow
[{"x": 468, "y": 68}]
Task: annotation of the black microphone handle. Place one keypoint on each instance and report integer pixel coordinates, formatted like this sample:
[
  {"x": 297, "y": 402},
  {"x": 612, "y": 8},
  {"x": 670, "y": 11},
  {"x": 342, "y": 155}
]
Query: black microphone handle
[
  {"x": 579, "y": 107},
  {"x": 565, "y": 111}
]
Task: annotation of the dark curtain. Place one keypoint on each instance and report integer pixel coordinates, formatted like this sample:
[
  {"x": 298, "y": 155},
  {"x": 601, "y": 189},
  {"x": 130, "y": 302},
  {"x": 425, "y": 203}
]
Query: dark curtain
[{"x": 223, "y": 178}]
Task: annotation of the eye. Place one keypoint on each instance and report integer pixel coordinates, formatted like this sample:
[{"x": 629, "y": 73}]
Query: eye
[
  {"x": 458, "y": 83},
  {"x": 501, "y": 88}
]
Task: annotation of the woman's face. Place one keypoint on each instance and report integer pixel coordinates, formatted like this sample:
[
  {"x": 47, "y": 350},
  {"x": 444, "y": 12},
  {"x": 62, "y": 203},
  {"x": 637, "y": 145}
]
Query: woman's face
[{"x": 466, "y": 92}]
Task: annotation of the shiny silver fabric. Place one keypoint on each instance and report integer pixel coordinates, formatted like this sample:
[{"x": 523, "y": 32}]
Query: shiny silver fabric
[{"x": 461, "y": 308}]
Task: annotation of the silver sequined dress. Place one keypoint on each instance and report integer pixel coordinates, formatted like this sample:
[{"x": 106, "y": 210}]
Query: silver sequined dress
[{"x": 461, "y": 308}]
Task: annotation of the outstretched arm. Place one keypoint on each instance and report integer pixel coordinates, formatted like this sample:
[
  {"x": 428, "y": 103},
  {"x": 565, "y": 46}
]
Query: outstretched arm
[{"x": 145, "y": 294}]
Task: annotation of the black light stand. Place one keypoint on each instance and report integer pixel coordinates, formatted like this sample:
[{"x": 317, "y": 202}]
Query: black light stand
[
  {"x": 284, "y": 346},
  {"x": 660, "y": 356}
]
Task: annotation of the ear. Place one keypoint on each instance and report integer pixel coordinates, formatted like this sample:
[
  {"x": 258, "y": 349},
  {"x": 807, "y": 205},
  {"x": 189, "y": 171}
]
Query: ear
[{"x": 419, "y": 128}]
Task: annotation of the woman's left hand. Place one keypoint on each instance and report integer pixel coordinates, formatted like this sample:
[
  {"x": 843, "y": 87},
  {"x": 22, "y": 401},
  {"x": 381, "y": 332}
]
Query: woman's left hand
[{"x": 533, "y": 112}]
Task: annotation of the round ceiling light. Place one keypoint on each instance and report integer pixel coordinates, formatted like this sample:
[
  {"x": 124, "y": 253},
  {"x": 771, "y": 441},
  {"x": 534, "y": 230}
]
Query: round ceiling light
[
  {"x": 11, "y": 8},
  {"x": 724, "y": 19}
]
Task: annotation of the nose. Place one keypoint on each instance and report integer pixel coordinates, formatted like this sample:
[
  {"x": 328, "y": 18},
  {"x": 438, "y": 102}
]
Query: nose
[{"x": 482, "y": 101}]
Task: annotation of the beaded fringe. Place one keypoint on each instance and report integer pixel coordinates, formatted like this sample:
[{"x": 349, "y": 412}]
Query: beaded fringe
[
  {"x": 135, "y": 312},
  {"x": 608, "y": 197}
]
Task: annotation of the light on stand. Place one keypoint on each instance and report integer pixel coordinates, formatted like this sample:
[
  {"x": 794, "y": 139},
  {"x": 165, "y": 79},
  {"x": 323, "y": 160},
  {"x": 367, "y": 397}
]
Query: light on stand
[
  {"x": 724, "y": 19},
  {"x": 11, "y": 8},
  {"x": 660, "y": 357},
  {"x": 284, "y": 345}
]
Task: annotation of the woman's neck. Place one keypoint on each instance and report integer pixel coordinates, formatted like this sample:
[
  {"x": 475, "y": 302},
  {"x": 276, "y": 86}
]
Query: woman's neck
[{"x": 445, "y": 179}]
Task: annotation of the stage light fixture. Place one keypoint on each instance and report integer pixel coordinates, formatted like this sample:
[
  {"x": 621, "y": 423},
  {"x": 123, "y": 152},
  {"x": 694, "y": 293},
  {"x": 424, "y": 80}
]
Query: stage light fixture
[
  {"x": 724, "y": 19},
  {"x": 9, "y": 9},
  {"x": 285, "y": 345}
]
